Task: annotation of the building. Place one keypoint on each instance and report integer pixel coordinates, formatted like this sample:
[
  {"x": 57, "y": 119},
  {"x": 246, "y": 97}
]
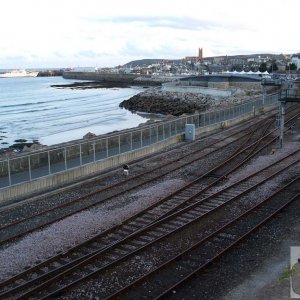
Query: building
[{"x": 195, "y": 58}]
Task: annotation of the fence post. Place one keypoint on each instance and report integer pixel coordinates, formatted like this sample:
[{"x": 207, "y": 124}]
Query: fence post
[
  {"x": 106, "y": 147},
  {"x": 9, "y": 174},
  {"x": 94, "y": 150},
  {"x": 80, "y": 155},
  {"x": 29, "y": 167},
  {"x": 66, "y": 165},
  {"x": 119, "y": 143},
  {"x": 49, "y": 163},
  {"x": 131, "y": 146}
]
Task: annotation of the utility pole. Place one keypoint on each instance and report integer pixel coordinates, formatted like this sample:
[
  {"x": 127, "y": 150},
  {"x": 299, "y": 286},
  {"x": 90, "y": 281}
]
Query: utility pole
[{"x": 282, "y": 115}]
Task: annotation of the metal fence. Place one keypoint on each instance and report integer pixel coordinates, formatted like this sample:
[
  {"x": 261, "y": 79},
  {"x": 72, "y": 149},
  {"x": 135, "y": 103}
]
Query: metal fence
[{"x": 43, "y": 163}]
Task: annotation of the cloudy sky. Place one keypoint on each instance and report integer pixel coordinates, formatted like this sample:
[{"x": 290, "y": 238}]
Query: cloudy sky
[{"x": 71, "y": 33}]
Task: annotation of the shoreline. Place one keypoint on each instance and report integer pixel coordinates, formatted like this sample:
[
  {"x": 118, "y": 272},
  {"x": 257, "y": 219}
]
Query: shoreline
[{"x": 152, "y": 102}]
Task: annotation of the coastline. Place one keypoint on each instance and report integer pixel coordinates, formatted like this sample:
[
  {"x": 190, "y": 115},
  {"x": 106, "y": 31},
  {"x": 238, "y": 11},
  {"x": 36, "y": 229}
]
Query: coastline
[
  {"x": 151, "y": 103},
  {"x": 34, "y": 113}
]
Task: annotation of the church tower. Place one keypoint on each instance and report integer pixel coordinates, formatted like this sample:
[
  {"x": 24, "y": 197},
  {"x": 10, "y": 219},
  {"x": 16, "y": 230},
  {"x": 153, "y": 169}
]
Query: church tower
[{"x": 200, "y": 54}]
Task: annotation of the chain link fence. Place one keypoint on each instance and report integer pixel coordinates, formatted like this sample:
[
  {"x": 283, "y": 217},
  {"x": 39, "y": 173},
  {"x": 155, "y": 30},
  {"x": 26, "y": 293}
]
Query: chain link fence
[{"x": 43, "y": 163}]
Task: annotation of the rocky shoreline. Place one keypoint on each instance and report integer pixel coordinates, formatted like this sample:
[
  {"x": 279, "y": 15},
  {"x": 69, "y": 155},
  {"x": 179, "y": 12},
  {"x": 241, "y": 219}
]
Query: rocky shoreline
[
  {"x": 104, "y": 84},
  {"x": 91, "y": 85}
]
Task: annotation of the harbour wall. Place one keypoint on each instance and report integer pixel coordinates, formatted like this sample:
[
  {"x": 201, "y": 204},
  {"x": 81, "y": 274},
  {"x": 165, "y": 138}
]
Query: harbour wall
[{"x": 94, "y": 76}]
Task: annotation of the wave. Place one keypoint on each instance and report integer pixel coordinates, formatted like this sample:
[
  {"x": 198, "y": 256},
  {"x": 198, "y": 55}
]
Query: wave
[{"x": 33, "y": 109}]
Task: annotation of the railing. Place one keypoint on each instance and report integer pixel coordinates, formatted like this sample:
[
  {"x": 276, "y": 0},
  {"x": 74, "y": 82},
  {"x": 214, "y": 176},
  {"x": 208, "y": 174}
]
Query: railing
[
  {"x": 290, "y": 94},
  {"x": 44, "y": 163}
]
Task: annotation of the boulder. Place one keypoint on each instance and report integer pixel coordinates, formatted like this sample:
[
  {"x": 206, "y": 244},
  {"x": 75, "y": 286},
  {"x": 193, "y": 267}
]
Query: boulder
[{"x": 89, "y": 135}]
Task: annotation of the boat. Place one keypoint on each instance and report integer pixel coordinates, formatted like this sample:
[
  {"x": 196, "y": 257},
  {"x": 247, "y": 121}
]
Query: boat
[{"x": 18, "y": 73}]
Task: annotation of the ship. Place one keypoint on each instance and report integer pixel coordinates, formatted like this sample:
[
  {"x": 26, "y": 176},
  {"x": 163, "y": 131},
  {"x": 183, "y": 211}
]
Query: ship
[{"x": 18, "y": 73}]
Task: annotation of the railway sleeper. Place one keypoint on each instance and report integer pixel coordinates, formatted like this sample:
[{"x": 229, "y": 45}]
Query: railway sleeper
[
  {"x": 213, "y": 175},
  {"x": 147, "y": 219},
  {"x": 176, "y": 223},
  {"x": 182, "y": 197},
  {"x": 180, "y": 219},
  {"x": 216, "y": 202},
  {"x": 232, "y": 194},
  {"x": 111, "y": 256},
  {"x": 211, "y": 204},
  {"x": 183, "y": 219},
  {"x": 223, "y": 198},
  {"x": 161, "y": 230},
  {"x": 120, "y": 251},
  {"x": 167, "y": 227},
  {"x": 129, "y": 247},
  {"x": 229, "y": 236},
  {"x": 206, "y": 207},
  {"x": 136, "y": 224},
  {"x": 56, "y": 264},
  {"x": 146, "y": 238},
  {"x": 138, "y": 243},
  {"x": 155, "y": 233},
  {"x": 204, "y": 211},
  {"x": 64, "y": 260},
  {"x": 190, "y": 264},
  {"x": 130, "y": 226}
]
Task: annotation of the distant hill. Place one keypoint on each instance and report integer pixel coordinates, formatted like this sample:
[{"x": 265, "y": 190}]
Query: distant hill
[
  {"x": 245, "y": 56},
  {"x": 140, "y": 62}
]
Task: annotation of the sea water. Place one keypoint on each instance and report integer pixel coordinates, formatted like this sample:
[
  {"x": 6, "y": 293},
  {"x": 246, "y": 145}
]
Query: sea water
[{"x": 31, "y": 109}]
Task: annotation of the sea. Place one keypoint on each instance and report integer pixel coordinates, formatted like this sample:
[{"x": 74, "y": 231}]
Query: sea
[{"x": 32, "y": 110}]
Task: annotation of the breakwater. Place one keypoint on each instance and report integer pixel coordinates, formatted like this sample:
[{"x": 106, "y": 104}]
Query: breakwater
[{"x": 132, "y": 79}]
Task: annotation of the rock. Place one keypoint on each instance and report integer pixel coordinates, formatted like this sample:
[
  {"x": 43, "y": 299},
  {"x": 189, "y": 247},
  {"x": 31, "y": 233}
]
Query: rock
[
  {"x": 89, "y": 135},
  {"x": 165, "y": 103},
  {"x": 33, "y": 147}
]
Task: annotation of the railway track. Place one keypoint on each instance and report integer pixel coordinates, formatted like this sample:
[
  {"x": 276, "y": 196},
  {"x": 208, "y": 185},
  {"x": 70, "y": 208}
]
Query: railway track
[
  {"x": 139, "y": 233},
  {"x": 158, "y": 284},
  {"x": 18, "y": 228}
]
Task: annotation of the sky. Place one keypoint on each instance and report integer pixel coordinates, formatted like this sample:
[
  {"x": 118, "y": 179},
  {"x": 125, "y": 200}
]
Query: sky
[{"x": 77, "y": 33}]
